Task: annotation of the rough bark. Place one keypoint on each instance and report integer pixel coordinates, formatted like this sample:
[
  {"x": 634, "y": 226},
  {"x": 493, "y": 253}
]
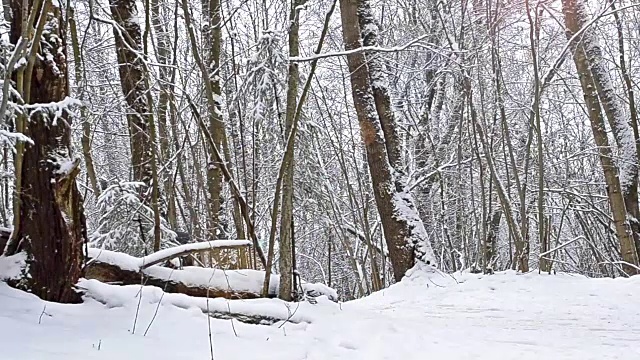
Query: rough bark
[
  {"x": 135, "y": 87},
  {"x": 618, "y": 120},
  {"x": 52, "y": 229},
  {"x": 384, "y": 109},
  {"x": 631, "y": 198},
  {"x": 128, "y": 40},
  {"x": 405, "y": 236},
  {"x": 377, "y": 77},
  {"x": 574, "y": 20}
]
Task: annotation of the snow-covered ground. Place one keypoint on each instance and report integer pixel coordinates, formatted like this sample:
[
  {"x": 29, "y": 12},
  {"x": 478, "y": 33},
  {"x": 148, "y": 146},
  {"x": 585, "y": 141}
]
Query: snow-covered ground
[{"x": 503, "y": 316}]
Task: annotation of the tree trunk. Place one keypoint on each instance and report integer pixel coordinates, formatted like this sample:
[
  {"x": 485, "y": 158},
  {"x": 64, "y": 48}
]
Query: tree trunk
[
  {"x": 135, "y": 87},
  {"x": 631, "y": 198},
  {"x": 51, "y": 230},
  {"x": 164, "y": 57},
  {"x": 378, "y": 80},
  {"x": 593, "y": 80},
  {"x": 286, "y": 215},
  {"x": 491, "y": 241},
  {"x": 128, "y": 40},
  {"x": 212, "y": 40},
  {"x": 86, "y": 125},
  {"x": 618, "y": 120},
  {"x": 403, "y": 229}
]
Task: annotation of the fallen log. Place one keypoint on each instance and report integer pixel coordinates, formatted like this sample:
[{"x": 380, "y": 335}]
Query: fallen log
[
  {"x": 112, "y": 274},
  {"x": 256, "y": 311},
  {"x": 118, "y": 268}
]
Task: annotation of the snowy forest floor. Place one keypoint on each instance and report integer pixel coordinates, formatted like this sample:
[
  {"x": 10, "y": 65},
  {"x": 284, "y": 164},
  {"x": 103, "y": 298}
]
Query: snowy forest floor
[{"x": 502, "y": 316}]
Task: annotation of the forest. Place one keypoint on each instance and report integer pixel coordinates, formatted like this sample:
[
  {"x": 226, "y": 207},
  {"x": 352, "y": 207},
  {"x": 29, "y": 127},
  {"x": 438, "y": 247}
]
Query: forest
[{"x": 318, "y": 144}]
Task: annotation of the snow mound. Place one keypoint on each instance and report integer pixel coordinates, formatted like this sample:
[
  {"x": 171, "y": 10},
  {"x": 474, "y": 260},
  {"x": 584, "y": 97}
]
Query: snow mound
[
  {"x": 427, "y": 315},
  {"x": 11, "y": 267}
]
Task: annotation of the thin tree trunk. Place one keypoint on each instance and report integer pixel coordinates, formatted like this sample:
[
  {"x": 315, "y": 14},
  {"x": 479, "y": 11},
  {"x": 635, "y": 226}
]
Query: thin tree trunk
[
  {"x": 286, "y": 213},
  {"x": 163, "y": 51},
  {"x": 86, "y": 125},
  {"x": 489, "y": 251},
  {"x": 212, "y": 41},
  {"x": 209, "y": 138},
  {"x": 534, "y": 29},
  {"x": 135, "y": 87}
]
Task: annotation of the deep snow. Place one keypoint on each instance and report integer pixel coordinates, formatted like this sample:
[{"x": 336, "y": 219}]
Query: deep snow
[{"x": 502, "y": 316}]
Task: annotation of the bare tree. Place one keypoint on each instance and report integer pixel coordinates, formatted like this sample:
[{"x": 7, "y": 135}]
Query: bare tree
[
  {"x": 403, "y": 229},
  {"x": 598, "y": 94},
  {"x": 135, "y": 87}
]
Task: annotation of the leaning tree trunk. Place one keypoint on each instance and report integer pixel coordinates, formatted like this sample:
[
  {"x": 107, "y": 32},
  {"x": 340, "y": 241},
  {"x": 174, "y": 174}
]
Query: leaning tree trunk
[
  {"x": 403, "y": 229},
  {"x": 631, "y": 197},
  {"x": 51, "y": 230},
  {"x": 592, "y": 82},
  {"x": 378, "y": 79},
  {"x": 618, "y": 120}
]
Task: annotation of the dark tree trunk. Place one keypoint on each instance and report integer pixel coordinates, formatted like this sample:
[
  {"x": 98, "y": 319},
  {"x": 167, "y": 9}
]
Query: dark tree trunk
[
  {"x": 135, "y": 86},
  {"x": 592, "y": 81},
  {"x": 403, "y": 229},
  {"x": 51, "y": 230},
  {"x": 128, "y": 37}
]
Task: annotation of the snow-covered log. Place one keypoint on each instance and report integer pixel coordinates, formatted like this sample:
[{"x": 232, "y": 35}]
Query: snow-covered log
[
  {"x": 113, "y": 267},
  {"x": 256, "y": 311}
]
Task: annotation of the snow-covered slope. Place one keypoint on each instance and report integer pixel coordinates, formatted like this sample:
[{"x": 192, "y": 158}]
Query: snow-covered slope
[{"x": 503, "y": 316}]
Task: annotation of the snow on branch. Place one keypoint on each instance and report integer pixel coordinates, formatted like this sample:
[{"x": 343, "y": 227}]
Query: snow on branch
[
  {"x": 58, "y": 107},
  {"x": 548, "y": 76},
  {"x": 413, "y": 43},
  {"x": 174, "y": 252},
  {"x": 136, "y": 264}
]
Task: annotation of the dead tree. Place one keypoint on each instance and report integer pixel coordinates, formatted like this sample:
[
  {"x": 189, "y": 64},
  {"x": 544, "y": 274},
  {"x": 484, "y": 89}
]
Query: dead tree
[{"x": 50, "y": 229}]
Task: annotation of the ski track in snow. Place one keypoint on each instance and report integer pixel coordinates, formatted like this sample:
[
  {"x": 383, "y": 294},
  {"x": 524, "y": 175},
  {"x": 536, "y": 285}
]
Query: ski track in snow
[{"x": 502, "y": 316}]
